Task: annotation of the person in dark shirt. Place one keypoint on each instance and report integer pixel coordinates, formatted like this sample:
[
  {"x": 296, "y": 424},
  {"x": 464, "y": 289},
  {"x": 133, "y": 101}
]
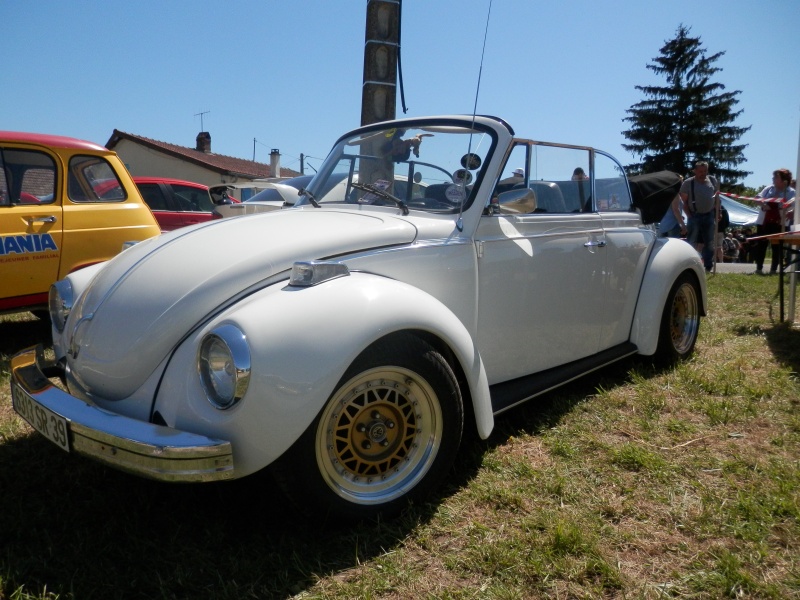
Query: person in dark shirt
[{"x": 700, "y": 195}]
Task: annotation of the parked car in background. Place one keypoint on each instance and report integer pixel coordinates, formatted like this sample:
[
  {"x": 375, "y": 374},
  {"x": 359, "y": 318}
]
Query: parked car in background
[
  {"x": 64, "y": 204},
  {"x": 241, "y": 191},
  {"x": 176, "y": 203},
  {"x": 434, "y": 273},
  {"x": 274, "y": 196},
  {"x": 285, "y": 193}
]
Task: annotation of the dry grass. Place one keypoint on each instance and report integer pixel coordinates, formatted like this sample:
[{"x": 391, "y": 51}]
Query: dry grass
[{"x": 632, "y": 483}]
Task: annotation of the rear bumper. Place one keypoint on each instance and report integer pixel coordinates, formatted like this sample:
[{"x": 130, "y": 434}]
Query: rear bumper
[{"x": 145, "y": 449}]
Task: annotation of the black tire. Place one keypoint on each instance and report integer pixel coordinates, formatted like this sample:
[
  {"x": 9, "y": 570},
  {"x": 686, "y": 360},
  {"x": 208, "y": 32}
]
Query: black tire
[
  {"x": 680, "y": 322},
  {"x": 388, "y": 434}
]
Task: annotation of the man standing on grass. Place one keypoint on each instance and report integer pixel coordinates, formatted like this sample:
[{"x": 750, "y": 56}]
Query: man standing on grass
[{"x": 700, "y": 195}]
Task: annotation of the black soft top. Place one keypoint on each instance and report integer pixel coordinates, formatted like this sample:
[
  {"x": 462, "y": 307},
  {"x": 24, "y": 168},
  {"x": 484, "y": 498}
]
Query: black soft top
[{"x": 652, "y": 193}]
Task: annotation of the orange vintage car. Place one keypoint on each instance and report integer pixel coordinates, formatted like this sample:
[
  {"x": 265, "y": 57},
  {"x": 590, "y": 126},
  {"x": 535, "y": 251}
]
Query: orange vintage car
[{"x": 64, "y": 204}]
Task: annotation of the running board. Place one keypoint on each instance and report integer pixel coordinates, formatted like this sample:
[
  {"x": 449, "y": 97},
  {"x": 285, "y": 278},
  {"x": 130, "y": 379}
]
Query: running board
[{"x": 509, "y": 394}]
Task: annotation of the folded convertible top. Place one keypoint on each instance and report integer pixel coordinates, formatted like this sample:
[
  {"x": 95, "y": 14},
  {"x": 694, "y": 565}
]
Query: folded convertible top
[{"x": 652, "y": 193}]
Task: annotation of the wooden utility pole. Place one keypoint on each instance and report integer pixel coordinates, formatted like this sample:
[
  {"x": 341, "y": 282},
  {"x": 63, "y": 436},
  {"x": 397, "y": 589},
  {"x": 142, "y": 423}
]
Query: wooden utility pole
[{"x": 382, "y": 40}]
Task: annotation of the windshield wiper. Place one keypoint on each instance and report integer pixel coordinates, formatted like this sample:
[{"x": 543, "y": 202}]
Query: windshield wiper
[
  {"x": 309, "y": 195},
  {"x": 368, "y": 187}
]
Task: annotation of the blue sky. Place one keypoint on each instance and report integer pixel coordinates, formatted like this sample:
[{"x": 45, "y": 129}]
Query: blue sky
[{"x": 288, "y": 73}]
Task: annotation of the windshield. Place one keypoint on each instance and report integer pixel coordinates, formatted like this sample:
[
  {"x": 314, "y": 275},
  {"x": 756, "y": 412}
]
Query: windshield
[{"x": 432, "y": 167}]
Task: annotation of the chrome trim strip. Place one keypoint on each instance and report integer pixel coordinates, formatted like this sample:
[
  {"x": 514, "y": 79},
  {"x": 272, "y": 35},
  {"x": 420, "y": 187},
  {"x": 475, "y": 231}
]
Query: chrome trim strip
[{"x": 145, "y": 449}]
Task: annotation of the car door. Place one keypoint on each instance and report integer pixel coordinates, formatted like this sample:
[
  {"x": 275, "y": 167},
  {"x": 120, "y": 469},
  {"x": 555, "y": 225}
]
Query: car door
[
  {"x": 175, "y": 204},
  {"x": 158, "y": 198},
  {"x": 541, "y": 280},
  {"x": 192, "y": 203},
  {"x": 30, "y": 225},
  {"x": 542, "y": 275},
  {"x": 102, "y": 210}
]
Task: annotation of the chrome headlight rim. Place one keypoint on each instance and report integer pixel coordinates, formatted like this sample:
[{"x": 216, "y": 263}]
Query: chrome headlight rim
[
  {"x": 60, "y": 300},
  {"x": 223, "y": 364}
]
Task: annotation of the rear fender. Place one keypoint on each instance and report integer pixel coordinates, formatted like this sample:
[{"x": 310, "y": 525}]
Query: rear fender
[{"x": 669, "y": 259}]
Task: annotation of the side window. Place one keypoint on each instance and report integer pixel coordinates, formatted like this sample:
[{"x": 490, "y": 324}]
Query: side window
[
  {"x": 611, "y": 185},
  {"x": 513, "y": 174},
  {"x": 191, "y": 198},
  {"x": 511, "y": 195},
  {"x": 26, "y": 177},
  {"x": 92, "y": 179},
  {"x": 153, "y": 196},
  {"x": 560, "y": 179}
]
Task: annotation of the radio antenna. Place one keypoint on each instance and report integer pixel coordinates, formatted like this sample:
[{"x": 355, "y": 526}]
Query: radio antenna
[
  {"x": 480, "y": 69},
  {"x": 460, "y": 222},
  {"x": 200, "y": 114}
]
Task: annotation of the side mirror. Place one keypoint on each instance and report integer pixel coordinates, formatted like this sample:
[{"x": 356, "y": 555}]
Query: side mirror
[
  {"x": 219, "y": 195},
  {"x": 519, "y": 201}
]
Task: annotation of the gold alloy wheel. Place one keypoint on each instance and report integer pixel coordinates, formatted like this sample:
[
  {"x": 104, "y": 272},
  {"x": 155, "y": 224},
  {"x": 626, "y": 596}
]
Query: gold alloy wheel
[
  {"x": 379, "y": 435},
  {"x": 684, "y": 318}
]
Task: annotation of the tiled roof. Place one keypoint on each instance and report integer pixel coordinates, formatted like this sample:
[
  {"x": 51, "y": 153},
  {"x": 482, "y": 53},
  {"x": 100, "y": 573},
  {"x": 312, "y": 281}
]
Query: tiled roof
[{"x": 226, "y": 165}]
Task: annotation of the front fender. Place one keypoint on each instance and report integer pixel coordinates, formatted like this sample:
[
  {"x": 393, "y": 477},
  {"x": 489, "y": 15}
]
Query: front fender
[
  {"x": 670, "y": 258},
  {"x": 79, "y": 280},
  {"x": 302, "y": 340}
]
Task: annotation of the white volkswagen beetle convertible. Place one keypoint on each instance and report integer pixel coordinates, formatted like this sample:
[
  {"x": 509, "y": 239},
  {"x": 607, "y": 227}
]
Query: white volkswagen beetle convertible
[{"x": 347, "y": 342}]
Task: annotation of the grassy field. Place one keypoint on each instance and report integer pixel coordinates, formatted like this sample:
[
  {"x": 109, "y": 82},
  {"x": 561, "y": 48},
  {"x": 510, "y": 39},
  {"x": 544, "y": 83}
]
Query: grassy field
[{"x": 631, "y": 483}]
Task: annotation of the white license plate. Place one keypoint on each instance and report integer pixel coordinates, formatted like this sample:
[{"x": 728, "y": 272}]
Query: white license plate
[{"x": 43, "y": 420}]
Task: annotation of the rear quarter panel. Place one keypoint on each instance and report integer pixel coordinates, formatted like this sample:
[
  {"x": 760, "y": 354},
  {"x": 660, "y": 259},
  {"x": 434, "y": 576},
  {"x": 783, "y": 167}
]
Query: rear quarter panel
[{"x": 96, "y": 231}]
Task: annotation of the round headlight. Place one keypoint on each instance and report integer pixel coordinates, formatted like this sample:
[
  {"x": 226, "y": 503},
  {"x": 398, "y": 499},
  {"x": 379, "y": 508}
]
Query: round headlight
[
  {"x": 60, "y": 300},
  {"x": 224, "y": 366}
]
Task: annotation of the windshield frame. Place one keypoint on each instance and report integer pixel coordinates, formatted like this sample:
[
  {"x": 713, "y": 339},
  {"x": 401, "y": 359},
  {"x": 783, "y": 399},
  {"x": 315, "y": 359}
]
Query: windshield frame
[{"x": 435, "y": 125}]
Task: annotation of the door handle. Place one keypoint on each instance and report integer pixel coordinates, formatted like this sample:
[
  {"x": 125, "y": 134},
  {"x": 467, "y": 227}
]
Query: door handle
[
  {"x": 48, "y": 219},
  {"x": 595, "y": 244}
]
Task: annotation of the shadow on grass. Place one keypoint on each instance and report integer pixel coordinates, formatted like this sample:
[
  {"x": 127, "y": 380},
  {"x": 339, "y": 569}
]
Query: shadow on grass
[
  {"x": 784, "y": 342},
  {"x": 77, "y": 528},
  {"x": 81, "y": 530},
  {"x": 783, "y": 339},
  {"x": 19, "y": 334}
]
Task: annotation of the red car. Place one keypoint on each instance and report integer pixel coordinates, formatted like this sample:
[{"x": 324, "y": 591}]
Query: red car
[{"x": 176, "y": 203}]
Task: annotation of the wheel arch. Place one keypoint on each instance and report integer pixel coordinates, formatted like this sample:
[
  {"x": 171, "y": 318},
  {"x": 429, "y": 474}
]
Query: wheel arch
[
  {"x": 387, "y": 435},
  {"x": 412, "y": 310},
  {"x": 670, "y": 259}
]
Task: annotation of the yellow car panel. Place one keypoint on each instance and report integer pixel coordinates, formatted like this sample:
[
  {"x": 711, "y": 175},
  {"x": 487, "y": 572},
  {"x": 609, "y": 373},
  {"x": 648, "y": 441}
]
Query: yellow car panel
[{"x": 64, "y": 204}]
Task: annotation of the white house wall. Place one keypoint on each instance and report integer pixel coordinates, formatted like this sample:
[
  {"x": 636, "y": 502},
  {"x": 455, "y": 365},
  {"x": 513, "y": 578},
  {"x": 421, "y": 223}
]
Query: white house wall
[{"x": 146, "y": 162}]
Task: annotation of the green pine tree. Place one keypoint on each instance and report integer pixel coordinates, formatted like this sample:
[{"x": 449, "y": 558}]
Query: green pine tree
[{"x": 689, "y": 119}]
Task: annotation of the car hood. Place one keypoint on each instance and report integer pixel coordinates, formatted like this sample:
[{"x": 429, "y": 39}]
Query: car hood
[
  {"x": 250, "y": 207},
  {"x": 144, "y": 301}
]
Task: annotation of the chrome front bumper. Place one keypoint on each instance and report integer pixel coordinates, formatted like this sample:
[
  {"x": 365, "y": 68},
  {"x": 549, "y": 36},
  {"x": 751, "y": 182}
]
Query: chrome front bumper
[{"x": 145, "y": 449}]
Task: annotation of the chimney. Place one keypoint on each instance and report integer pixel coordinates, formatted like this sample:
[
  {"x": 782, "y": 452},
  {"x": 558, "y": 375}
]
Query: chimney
[
  {"x": 204, "y": 142},
  {"x": 275, "y": 162}
]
